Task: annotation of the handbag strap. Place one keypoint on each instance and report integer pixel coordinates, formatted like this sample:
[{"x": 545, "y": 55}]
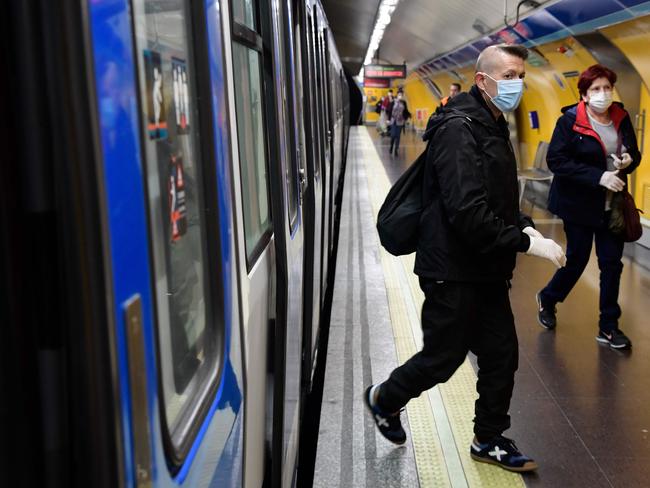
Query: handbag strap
[{"x": 619, "y": 144}]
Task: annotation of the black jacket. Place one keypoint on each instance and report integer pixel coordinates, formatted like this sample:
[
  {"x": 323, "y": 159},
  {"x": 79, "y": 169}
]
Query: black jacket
[
  {"x": 470, "y": 229},
  {"x": 577, "y": 158},
  {"x": 389, "y": 110}
]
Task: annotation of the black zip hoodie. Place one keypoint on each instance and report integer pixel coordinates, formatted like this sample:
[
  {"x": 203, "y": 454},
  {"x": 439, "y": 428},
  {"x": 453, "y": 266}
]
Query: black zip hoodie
[{"x": 470, "y": 229}]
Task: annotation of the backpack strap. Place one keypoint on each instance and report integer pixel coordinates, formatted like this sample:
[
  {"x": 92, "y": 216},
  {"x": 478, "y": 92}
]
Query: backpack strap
[{"x": 450, "y": 114}]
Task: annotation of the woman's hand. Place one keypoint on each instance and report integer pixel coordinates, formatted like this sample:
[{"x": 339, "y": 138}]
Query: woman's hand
[
  {"x": 611, "y": 181},
  {"x": 624, "y": 161}
]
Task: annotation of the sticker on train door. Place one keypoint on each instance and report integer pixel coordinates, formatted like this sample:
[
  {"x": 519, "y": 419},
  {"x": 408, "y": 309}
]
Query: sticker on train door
[
  {"x": 176, "y": 190},
  {"x": 181, "y": 96},
  {"x": 156, "y": 110}
]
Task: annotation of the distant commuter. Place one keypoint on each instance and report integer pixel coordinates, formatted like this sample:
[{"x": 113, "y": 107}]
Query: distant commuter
[
  {"x": 387, "y": 100},
  {"x": 592, "y": 151},
  {"x": 399, "y": 114},
  {"x": 454, "y": 89},
  {"x": 384, "y": 116},
  {"x": 470, "y": 233}
]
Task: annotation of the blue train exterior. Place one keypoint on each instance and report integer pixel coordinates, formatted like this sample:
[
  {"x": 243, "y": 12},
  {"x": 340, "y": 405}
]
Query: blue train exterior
[{"x": 179, "y": 206}]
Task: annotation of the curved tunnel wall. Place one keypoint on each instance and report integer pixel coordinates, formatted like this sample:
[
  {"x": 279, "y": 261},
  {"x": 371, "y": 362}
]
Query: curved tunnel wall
[{"x": 551, "y": 81}]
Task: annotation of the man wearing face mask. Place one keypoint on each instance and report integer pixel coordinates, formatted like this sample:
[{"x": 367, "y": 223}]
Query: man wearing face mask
[
  {"x": 470, "y": 232},
  {"x": 592, "y": 151}
]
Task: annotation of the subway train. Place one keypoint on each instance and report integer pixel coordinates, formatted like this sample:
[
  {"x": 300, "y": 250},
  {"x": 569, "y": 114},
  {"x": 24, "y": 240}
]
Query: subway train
[{"x": 168, "y": 224}]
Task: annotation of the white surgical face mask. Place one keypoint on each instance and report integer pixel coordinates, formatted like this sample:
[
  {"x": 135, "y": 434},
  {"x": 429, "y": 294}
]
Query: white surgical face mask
[{"x": 600, "y": 102}]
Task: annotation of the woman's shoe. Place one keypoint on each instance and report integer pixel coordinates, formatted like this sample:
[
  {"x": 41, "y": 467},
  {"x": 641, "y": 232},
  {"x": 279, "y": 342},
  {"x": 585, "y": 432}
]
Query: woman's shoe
[{"x": 615, "y": 339}]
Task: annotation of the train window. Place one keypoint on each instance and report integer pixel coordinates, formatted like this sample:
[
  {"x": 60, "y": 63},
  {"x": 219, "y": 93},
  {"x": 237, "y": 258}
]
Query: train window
[
  {"x": 252, "y": 151},
  {"x": 188, "y": 312},
  {"x": 286, "y": 109},
  {"x": 299, "y": 95},
  {"x": 249, "y": 107},
  {"x": 313, "y": 94},
  {"x": 244, "y": 12},
  {"x": 318, "y": 81}
]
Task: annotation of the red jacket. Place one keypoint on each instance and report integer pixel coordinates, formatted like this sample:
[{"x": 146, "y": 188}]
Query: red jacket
[{"x": 578, "y": 159}]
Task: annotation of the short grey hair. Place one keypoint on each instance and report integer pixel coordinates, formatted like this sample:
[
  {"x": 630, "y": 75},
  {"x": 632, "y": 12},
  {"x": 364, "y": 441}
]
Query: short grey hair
[{"x": 486, "y": 60}]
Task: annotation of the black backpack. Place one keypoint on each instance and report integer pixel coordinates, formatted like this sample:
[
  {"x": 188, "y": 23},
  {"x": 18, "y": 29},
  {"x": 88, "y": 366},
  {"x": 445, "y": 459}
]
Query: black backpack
[{"x": 398, "y": 219}]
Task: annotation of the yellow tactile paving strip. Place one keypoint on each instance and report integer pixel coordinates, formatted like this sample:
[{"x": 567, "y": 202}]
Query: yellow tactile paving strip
[
  {"x": 431, "y": 467},
  {"x": 458, "y": 394}
]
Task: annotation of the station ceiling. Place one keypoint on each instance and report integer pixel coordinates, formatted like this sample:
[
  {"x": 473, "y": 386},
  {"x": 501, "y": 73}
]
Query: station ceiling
[
  {"x": 352, "y": 23},
  {"x": 420, "y": 29}
]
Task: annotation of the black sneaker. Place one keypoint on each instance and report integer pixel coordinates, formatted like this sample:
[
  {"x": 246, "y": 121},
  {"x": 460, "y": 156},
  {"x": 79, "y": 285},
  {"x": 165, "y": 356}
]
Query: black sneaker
[
  {"x": 502, "y": 452},
  {"x": 545, "y": 315},
  {"x": 389, "y": 425},
  {"x": 615, "y": 339}
]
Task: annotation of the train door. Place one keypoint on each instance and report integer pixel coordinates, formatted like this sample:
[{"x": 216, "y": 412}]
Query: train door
[
  {"x": 343, "y": 122},
  {"x": 329, "y": 127},
  {"x": 324, "y": 147},
  {"x": 250, "y": 125},
  {"x": 169, "y": 221},
  {"x": 313, "y": 198},
  {"x": 271, "y": 237},
  {"x": 335, "y": 116},
  {"x": 289, "y": 240}
]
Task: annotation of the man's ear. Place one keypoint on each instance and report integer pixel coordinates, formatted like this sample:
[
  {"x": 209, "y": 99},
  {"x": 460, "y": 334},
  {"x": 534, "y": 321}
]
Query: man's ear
[{"x": 479, "y": 80}]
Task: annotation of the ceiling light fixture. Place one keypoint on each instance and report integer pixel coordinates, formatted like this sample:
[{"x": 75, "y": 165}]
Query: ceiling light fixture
[{"x": 384, "y": 13}]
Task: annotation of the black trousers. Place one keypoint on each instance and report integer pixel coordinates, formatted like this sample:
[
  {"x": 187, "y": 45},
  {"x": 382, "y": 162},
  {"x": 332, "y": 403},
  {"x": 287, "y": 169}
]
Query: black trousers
[
  {"x": 609, "y": 249},
  {"x": 395, "y": 136},
  {"x": 457, "y": 318}
]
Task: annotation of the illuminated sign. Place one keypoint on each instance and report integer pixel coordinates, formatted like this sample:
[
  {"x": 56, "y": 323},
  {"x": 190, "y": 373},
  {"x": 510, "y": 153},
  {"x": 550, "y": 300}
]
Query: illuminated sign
[
  {"x": 376, "y": 82},
  {"x": 385, "y": 70}
]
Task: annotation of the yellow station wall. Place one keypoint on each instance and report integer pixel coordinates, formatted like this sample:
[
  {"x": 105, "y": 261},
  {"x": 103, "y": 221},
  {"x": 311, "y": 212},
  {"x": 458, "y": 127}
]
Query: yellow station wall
[
  {"x": 373, "y": 95},
  {"x": 632, "y": 39}
]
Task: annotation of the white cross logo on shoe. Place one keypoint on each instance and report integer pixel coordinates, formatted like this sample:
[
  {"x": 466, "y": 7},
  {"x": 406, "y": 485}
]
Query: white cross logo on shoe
[
  {"x": 381, "y": 421},
  {"x": 497, "y": 453}
]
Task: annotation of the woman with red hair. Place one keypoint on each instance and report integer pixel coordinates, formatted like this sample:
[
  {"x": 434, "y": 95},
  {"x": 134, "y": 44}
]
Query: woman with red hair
[{"x": 592, "y": 151}]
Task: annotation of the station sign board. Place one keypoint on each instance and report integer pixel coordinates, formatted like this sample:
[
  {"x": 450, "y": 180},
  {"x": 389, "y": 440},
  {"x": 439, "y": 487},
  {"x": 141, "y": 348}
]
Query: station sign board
[
  {"x": 376, "y": 82},
  {"x": 385, "y": 70}
]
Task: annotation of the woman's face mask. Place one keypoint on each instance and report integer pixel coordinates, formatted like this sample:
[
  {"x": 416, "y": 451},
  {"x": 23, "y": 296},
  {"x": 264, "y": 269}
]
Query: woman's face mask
[
  {"x": 601, "y": 101},
  {"x": 509, "y": 93}
]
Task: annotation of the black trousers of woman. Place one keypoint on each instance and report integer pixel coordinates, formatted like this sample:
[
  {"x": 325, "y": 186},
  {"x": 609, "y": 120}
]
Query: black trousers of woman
[
  {"x": 609, "y": 249},
  {"x": 395, "y": 136},
  {"x": 457, "y": 318}
]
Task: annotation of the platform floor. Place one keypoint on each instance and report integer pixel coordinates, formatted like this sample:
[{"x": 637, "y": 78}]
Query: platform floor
[{"x": 580, "y": 409}]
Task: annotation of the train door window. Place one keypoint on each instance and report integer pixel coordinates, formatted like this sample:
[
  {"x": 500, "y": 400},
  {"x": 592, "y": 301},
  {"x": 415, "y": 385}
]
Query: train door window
[
  {"x": 313, "y": 93},
  {"x": 324, "y": 93},
  {"x": 247, "y": 49},
  {"x": 287, "y": 108},
  {"x": 187, "y": 294},
  {"x": 244, "y": 13},
  {"x": 299, "y": 95},
  {"x": 319, "y": 93},
  {"x": 326, "y": 86},
  {"x": 252, "y": 149}
]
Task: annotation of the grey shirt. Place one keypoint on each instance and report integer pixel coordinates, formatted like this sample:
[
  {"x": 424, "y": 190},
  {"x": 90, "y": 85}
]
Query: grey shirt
[{"x": 609, "y": 136}]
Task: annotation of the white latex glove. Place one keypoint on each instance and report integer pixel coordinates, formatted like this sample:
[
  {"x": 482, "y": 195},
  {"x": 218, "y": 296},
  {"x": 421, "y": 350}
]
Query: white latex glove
[
  {"x": 624, "y": 161},
  {"x": 611, "y": 181},
  {"x": 532, "y": 232},
  {"x": 547, "y": 249}
]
